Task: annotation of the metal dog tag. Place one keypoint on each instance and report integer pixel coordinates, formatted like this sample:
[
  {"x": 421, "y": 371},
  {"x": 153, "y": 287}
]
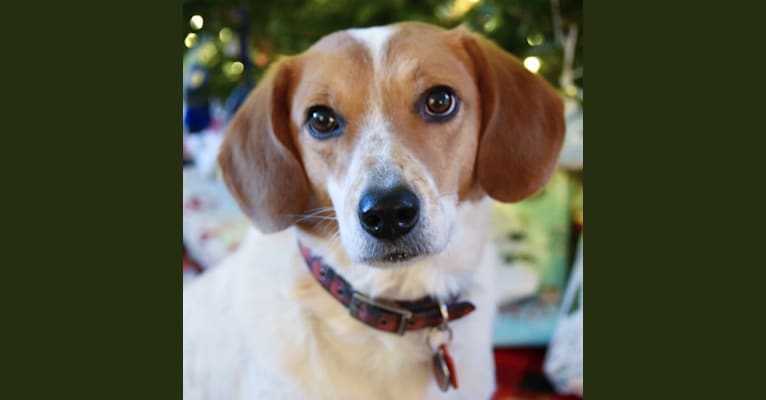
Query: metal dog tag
[{"x": 444, "y": 369}]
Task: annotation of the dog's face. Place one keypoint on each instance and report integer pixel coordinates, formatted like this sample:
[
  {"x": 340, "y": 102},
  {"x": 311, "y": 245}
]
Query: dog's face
[{"x": 386, "y": 131}]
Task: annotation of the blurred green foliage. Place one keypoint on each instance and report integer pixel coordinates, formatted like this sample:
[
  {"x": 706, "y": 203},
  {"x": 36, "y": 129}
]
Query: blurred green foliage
[{"x": 283, "y": 27}]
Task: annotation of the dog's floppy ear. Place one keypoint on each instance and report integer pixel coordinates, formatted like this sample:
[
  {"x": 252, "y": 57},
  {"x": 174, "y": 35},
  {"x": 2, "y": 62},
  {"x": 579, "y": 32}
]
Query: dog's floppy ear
[
  {"x": 258, "y": 158},
  {"x": 522, "y": 123}
]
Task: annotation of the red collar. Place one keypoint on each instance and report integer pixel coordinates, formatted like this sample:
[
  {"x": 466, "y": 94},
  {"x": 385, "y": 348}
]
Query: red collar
[{"x": 392, "y": 316}]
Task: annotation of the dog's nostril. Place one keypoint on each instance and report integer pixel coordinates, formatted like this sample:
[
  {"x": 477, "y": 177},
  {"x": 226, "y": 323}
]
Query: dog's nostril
[
  {"x": 371, "y": 220},
  {"x": 388, "y": 214},
  {"x": 405, "y": 215}
]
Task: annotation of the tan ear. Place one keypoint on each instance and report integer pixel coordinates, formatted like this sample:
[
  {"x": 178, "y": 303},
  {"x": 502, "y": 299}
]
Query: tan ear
[
  {"x": 522, "y": 123},
  {"x": 258, "y": 158}
]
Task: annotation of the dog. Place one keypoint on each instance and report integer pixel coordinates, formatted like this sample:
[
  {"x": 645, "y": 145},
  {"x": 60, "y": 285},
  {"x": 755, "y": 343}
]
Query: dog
[{"x": 368, "y": 165}]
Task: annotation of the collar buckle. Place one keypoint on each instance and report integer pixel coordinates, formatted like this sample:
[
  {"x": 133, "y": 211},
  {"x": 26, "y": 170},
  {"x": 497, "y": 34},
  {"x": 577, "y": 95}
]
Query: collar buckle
[{"x": 404, "y": 315}]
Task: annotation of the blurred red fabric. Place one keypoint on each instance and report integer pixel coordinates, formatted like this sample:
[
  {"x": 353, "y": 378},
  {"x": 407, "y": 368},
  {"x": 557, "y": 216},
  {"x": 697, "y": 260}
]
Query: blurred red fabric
[{"x": 520, "y": 375}]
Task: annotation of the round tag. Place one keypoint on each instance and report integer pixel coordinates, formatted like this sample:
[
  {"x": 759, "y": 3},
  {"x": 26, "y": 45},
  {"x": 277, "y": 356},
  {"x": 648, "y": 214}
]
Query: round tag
[
  {"x": 441, "y": 371},
  {"x": 444, "y": 369}
]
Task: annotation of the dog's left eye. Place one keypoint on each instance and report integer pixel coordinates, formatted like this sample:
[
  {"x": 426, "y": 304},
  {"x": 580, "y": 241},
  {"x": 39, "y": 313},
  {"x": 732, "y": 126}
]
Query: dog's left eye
[
  {"x": 323, "y": 123},
  {"x": 439, "y": 103}
]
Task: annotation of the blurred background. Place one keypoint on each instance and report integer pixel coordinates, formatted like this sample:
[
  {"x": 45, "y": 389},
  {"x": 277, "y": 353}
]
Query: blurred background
[{"x": 229, "y": 44}]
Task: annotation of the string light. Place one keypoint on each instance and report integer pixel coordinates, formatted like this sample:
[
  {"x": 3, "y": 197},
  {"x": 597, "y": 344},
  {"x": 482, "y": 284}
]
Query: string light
[
  {"x": 237, "y": 67},
  {"x": 261, "y": 59},
  {"x": 535, "y": 39},
  {"x": 196, "y": 22},
  {"x": 197, "y": 78},
  {"x": 532, "y": 63},
  {"x": 491, "y": 24},
  {"x": 208, "y": 53},
  {"x": 233, "y": 69},
  {"x": 190, "y": 39},
  {"x": 225, "y": 34}
]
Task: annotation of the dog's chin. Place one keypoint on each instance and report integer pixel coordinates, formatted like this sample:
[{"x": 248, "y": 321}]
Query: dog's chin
[
  {"x": 398, "y": 255},
  {"x": 393, "y": 259}
]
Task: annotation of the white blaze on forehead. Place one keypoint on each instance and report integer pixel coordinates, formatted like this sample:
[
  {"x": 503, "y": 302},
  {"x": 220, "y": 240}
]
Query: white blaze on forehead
[
  {"x": 375, "y": 39},
  {"x": 372, "y": 162},
  {"x": 374, "y": 136}
]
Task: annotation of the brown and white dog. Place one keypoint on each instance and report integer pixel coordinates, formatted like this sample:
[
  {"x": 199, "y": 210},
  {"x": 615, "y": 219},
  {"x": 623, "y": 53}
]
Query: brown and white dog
[{"x": 377, "y": 149}]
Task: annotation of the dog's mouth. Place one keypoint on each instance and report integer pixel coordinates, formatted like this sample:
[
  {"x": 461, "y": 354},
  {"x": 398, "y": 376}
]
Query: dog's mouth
[
  {"x": 398, "y": 256},
  {"x": 393, "y": 257},
  {"x": 388, "y": 255}
]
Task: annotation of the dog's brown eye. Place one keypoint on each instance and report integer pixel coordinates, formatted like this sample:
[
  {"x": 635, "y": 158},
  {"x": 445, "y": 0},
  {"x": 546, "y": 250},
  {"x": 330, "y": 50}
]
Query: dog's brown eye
[
  {"x": 439, "y": 103},
  {"x": 322, "y": 122}
]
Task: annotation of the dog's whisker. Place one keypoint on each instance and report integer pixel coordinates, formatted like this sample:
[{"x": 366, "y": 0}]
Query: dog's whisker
[
  {"x": 323, "y": 219},
  {"x": 317, "y": 214},
  {"x": 319, "y": 210}
]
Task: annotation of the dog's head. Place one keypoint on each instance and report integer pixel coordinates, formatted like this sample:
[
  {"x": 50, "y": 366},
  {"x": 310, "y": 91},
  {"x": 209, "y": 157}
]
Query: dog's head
[{"x": 391, "y": 128}]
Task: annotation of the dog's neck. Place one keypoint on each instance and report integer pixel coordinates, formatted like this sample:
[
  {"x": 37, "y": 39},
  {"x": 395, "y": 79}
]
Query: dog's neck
[
  {"x": 442, "y": 275},
  {"x": 339, "y": 346}
]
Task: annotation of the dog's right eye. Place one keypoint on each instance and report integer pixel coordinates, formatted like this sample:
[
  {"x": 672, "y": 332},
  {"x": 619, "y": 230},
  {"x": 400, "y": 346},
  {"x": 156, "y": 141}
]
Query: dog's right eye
[{"x": 323, "y": 123}]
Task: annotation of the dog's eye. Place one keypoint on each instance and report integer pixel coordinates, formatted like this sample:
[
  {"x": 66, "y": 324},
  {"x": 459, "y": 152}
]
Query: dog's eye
[
  {"x": 323, "y": 122},
  {"x": 439, "y": 103}
]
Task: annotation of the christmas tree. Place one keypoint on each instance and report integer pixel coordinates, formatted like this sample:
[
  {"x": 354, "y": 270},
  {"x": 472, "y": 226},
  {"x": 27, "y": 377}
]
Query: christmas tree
[{"x": 235, "y": 41}]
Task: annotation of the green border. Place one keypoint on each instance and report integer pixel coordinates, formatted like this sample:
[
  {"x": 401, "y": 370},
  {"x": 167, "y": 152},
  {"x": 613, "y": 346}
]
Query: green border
[
  {"x": 667, "y": 294},
  {"x": 92, "y": 277}
]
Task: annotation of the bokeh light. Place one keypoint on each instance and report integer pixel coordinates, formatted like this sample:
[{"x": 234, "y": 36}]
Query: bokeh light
[
  {"x": 535, "y": 39},
  {"x": 532, "y": 63},
  {"x": 225, "y": 35},
  {"x": 196, "y": 22},
  {"x": 190, "y": 39}
]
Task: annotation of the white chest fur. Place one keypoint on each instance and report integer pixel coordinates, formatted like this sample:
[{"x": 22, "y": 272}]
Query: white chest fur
[{"x": 259, "y": 327}]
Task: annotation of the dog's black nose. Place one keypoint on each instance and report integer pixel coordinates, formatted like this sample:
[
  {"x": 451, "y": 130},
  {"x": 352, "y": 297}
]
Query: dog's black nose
[{"x": 389, "y": 214}]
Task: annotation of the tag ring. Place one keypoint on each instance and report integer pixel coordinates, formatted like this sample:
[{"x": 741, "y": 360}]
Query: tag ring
[
  {"x": 432, "y": 336},
  {"x": 444, "y": 311}
]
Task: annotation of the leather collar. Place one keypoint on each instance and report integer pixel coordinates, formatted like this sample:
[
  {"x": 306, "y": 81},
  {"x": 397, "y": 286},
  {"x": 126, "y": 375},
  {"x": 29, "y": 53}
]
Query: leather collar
[{"x": 394, "y": 316}]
